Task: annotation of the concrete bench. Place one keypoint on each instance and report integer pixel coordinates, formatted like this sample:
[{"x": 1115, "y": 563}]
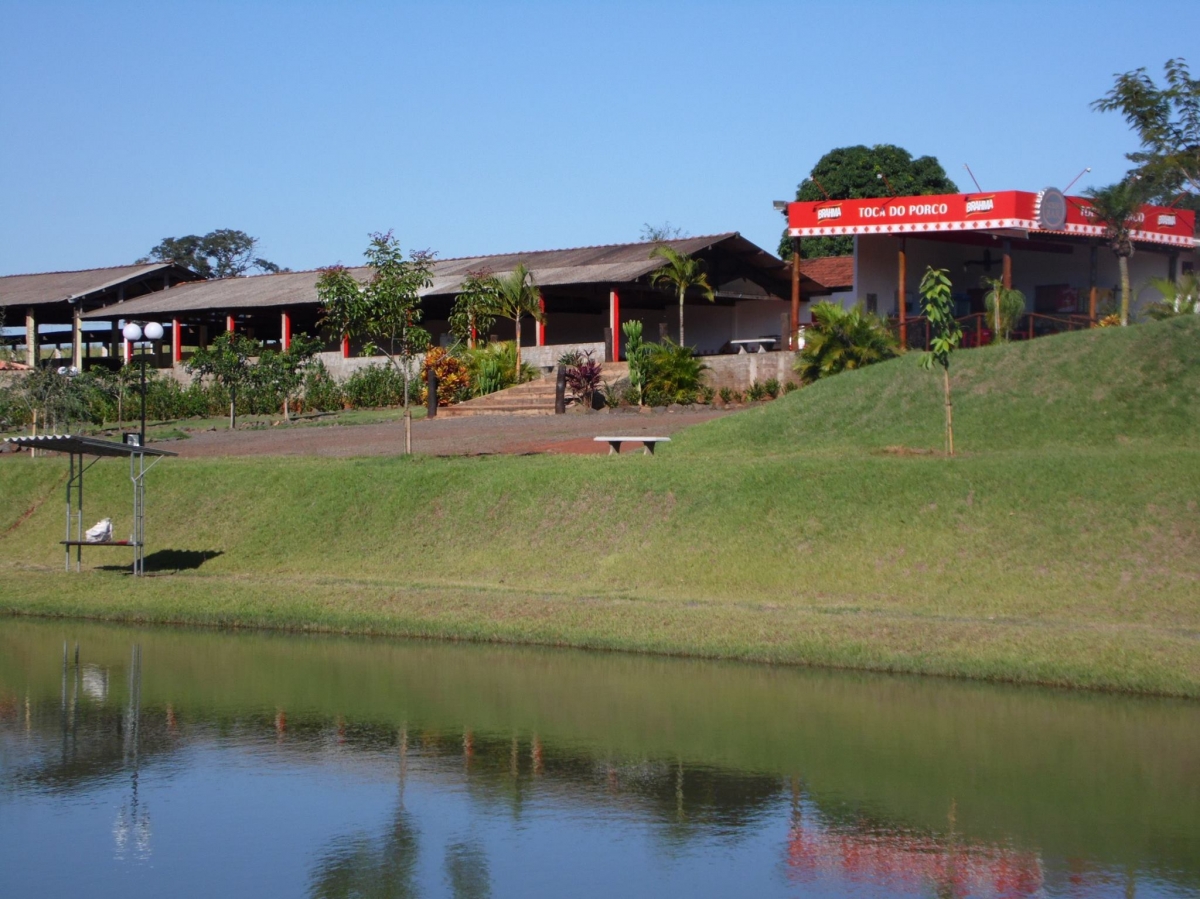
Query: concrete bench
[
  {"x": 757, "y": 344},
  {"x": 614, "y": 443}
]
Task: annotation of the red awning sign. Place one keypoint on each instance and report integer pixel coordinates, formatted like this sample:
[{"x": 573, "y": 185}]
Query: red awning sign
[{"x": 1046, "y": 212}]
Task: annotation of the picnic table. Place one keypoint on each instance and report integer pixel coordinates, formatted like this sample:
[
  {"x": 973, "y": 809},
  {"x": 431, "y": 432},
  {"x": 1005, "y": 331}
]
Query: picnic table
[
  {"x": 614, "y": 443},
  {"x": 758, "y": 343}
]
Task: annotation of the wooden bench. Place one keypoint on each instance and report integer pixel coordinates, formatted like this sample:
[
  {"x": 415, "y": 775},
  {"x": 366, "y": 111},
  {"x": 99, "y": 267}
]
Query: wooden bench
[
  {"x": 614, "y": 443},
  {"x": 759, "y": 344}
]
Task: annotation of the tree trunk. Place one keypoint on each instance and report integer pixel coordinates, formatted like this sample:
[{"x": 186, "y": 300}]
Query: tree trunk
[
  {"x": 949, "y": 412},
  {"x": 681, "y": 293},
  {"x": 517, "y": 373},
  {"x": 407, "y": 412},
  {"x": 1123, "y": 266},
  {"x": 995, "y": 316},
  {"x": 232, "y": 409}
]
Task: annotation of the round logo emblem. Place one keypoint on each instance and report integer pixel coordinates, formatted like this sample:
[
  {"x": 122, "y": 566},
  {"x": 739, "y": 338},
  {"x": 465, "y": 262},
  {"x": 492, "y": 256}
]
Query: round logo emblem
[{"x": 1052, "y": 209}]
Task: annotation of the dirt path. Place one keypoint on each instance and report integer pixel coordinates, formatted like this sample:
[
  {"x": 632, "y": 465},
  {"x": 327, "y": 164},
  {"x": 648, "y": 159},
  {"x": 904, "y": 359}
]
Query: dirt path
[{"x": 476, "y": 435}]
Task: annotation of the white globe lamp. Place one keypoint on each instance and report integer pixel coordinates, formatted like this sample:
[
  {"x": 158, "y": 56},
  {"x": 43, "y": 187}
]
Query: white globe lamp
[
  {"x": 153, "y": 331},
  {"x": 132, "y": 332}
]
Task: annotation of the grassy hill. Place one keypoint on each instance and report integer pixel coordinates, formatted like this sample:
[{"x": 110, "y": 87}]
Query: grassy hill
[
  {"x": 1060, "y": 546},
  {"x": 1097, "y": 388}
]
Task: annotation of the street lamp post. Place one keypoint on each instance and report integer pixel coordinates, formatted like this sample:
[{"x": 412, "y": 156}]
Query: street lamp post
[{"x": 133, "y": 332}]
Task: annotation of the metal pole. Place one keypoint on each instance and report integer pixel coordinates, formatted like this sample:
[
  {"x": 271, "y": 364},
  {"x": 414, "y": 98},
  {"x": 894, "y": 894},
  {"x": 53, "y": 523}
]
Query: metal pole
[
  {"x": 901, "y": 298},
  {"x": 142, "y": 442},
  {"x": 794, "y": 322}
]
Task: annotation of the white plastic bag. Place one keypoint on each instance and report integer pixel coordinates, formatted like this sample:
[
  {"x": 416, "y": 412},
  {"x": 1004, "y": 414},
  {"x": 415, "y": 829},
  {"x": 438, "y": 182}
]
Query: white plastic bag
[{"x": 100, "y": 532}]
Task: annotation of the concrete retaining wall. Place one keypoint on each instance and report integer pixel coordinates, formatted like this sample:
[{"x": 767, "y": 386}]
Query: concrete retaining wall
[{"x": 739, "y": 371}]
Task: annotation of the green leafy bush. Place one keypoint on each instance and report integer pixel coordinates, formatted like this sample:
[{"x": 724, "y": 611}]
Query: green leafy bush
[
  {"x": 771, "y": 386},
  {"x": 491, "y": 367},
  {"x": 756, "y": 392},
  {"x": 842, "y": 339},
  {"x": 673, "y": 372},
  {"x": 374, "y": 386},
  {"x": 321, "y": 392},
  {"x": 729, "y": 395}
]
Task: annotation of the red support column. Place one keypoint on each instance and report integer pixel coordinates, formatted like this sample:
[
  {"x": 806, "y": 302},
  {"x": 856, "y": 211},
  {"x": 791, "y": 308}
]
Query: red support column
[
  {"x": 285, "y": 331},
  {"x": 176, "y": 341},
  {"x": 614, "y": 322},
  {"x": 229, "y": 323},
  {"x": 345, "y": 346},
  {"x": 541, "y": 326}
]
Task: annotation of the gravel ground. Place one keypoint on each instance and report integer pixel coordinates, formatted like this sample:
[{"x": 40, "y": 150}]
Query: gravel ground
[{"x": 466, "y": 436}]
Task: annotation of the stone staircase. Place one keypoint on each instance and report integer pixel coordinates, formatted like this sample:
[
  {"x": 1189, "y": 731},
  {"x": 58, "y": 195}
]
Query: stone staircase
[{"x": 531, "y": 398}]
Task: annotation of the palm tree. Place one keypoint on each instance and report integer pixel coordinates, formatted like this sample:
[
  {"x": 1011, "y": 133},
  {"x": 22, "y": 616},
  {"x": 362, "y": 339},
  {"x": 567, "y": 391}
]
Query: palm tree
[
  {"x": 681, "y": 272},
  {"x": 843, "y": 339},
  {"x": 1114, "y": 208},
  {"x": 517, "y": 296}
]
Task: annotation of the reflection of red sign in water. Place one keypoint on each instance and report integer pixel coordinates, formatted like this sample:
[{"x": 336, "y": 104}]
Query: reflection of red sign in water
[
  {"x": 1004, "y": 210},
  {"x": 911, "y": 861}
]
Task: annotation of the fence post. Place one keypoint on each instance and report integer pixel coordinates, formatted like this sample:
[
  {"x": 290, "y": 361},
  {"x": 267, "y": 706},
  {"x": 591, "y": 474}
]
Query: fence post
[
  {"x": 560, "y": 391},
  {"x": 431, "y": 399}
]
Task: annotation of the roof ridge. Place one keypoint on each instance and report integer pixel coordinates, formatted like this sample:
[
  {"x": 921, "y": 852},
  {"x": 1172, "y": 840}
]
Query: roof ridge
[
  {"x": 77, "y": 271},
  {"x": 597, "y": 246}
]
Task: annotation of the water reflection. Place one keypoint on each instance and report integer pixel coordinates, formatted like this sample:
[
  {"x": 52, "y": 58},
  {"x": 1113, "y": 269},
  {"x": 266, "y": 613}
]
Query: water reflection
[{"x": 355, "y": 768}]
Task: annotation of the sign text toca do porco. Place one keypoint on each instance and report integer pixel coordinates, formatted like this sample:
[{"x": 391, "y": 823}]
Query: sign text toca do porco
[{"x": 1046, "y": 211}]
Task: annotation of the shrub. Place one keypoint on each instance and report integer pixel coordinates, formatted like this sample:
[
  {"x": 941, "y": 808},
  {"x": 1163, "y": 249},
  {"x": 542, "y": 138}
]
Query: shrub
[
  {"x": 454, "y": 381},
  {"x": 771, "y": 386},
  {"x": 673, "y": 372},
  {"x": 729, "y": 395},
  {"x": 570, "y": 358},
  {"x": 756, "y": 392},
  {"x": 842, "y": 339},
  {"x": 637, "y": 352},
  {"x": 491, "y": 367},
  {"x": 706, "y": 396},
  {"x": 321, "y": 392},
  {"x": 374, "y": 386},
  {"x": 585, "y": 379},
  {"x": 789, "y": 386}
]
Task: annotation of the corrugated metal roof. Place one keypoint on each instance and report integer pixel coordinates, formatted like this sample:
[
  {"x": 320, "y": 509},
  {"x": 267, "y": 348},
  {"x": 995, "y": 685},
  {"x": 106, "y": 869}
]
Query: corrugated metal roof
[
  {"x": 611, "y": 264},
  {"x": 88, "y": 446},
  {"x": 56, "y": 287}
]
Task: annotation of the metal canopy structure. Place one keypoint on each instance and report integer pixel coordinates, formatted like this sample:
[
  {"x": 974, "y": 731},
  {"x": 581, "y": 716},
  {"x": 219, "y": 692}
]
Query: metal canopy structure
[{"x": 77, "y": 447}]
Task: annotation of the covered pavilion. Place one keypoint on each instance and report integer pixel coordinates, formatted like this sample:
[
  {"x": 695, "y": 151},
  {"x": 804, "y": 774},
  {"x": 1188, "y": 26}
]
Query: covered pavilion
[
  {"x": 586, "y": 292},
  {"x": 1047, "y": 245},
  {"x": 58, "y": 299}
]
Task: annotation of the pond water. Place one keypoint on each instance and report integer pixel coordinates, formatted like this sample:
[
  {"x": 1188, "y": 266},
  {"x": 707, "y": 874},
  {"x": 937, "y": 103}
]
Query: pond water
[{"x": 192, "y": 763}]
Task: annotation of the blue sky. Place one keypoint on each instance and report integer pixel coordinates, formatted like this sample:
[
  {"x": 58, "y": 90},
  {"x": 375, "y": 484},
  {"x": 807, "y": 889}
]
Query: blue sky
[{"x": 478, "y": 128}]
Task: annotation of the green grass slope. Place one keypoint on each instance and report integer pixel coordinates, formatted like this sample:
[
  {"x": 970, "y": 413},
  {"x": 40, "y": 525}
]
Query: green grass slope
[
  {"x": 1062, "y": 546},
  {"x": 1094, "y": 388}
]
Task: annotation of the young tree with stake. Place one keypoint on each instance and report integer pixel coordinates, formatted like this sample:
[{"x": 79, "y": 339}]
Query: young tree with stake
[
  {"x": 945, "y": 334},
  {"x": 385, "y": 310}
]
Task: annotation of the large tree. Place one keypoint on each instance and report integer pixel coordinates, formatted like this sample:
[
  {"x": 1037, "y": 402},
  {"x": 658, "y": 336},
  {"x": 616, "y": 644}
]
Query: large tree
[
  {"x": 852, "y": 173},
  {"x": 224, "y": 253},
  {"x": 1167, "y": 122}
]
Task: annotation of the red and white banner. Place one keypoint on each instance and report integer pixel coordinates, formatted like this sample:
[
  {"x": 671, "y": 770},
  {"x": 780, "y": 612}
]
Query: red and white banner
[{"x": 1004, "y": 210}]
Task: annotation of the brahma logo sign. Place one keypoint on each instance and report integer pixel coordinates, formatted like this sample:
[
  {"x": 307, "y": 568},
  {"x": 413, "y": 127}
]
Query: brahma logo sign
[
  {"x": 980, "y": 205},
  {"x": 825, "y": 213},
  {"x": 1166, "y": 220}
]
